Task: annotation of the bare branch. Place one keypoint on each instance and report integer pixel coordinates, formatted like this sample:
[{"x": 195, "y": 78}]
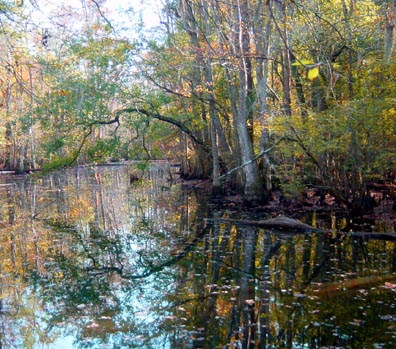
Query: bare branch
[
  {"x": 256, "y": 157},
  {"x": 102, "y": 15}
]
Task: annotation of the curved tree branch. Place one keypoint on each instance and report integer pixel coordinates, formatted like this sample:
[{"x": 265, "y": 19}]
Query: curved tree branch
[
  {"x": 102, "y": 15},
  {"x": 75, "y": 157},
  {"x": 90, "y": 126},
  {"x": 171, "y": 121}
]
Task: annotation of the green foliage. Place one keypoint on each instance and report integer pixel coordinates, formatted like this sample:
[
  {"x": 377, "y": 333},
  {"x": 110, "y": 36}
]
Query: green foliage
[
  {"x": 85, "y": 84},
  {"x": 341, "y": 148},
  {"x": 292, "y": 184},
  {"x": 9, "y": 8},
  {"x": 53, "y": 145},
  {"x": 339, "y": 133},
  {"x": 142, "y": 166},
  {"x": 103, "y": 149},
  {"x": 58, "y": 162}
]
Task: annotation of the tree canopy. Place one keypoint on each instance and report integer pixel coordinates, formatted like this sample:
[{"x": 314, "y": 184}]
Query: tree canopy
[{"x": 260, "y": 96}]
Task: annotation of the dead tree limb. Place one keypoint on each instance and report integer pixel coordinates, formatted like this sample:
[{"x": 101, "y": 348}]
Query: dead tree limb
[{"x": 256, "y": 157}]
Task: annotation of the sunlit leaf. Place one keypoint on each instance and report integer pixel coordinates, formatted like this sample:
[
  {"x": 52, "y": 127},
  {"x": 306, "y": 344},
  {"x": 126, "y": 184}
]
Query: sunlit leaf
[
  {"x": 313, "y": 73},
  {"x": 302, "y": 62}
]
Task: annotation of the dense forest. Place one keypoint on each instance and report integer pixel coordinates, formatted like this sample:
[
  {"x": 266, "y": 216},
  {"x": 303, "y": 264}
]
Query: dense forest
[{"x": 260, "y": 96}]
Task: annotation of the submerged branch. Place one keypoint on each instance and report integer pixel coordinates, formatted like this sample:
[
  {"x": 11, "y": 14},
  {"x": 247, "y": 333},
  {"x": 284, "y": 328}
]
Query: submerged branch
[{"x": 281, "y": 222}]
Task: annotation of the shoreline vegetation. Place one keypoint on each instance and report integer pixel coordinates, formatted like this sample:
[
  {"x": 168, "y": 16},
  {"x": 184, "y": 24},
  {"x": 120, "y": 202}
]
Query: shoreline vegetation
[{"x": 290, "y": 209}]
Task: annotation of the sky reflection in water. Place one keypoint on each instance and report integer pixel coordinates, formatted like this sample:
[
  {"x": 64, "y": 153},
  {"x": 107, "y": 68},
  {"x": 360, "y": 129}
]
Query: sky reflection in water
[{"x": 91, "y": 260}]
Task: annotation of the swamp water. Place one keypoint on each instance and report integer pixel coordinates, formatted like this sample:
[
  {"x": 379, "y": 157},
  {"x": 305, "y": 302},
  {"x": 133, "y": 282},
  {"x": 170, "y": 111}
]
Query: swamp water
[{"x": 90, "y": 260}]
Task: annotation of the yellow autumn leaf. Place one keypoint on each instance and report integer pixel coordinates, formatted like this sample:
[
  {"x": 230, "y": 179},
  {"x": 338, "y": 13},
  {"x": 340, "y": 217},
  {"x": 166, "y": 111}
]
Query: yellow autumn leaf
[
  {"x": 313, "y": 73},
  {"x": 302, "y": 62}
]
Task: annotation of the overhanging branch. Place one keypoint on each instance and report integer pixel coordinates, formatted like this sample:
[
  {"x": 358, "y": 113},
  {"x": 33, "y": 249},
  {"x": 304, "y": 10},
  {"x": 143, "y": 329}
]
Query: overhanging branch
[{"x": 182, "y": 127}]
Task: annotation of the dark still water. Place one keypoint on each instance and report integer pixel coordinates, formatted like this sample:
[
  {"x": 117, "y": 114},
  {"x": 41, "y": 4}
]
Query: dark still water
[{"x": 96, "y": 258}]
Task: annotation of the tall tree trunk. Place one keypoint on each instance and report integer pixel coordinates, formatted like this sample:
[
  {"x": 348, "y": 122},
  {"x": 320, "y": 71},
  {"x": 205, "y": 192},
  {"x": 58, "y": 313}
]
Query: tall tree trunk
[
  {"x": 233, "y": 96},
  {"x": 9, "y": 153},
  {"x": 263, "y": 45},
  {"x": 299, "y": 90},
  {"x": 214, "y": 121},
  {"x": 286, "y": 69},
  {"x": 253, "y": 187},
  {"x": 390, "y": 30},
  {"x": 202, "y": 76}
]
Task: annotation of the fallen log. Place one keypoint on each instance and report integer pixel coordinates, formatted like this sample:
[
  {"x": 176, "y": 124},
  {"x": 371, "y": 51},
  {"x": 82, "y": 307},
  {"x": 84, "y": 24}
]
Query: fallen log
[{"x": 278, "y": 223}]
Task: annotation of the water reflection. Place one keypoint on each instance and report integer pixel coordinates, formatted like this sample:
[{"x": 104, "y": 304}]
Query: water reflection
[{"x": 90, "y": 260}]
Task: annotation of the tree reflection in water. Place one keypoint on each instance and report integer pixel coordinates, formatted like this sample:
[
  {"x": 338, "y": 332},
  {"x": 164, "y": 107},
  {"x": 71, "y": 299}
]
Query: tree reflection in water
[{"x": 85, "y": 253}]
